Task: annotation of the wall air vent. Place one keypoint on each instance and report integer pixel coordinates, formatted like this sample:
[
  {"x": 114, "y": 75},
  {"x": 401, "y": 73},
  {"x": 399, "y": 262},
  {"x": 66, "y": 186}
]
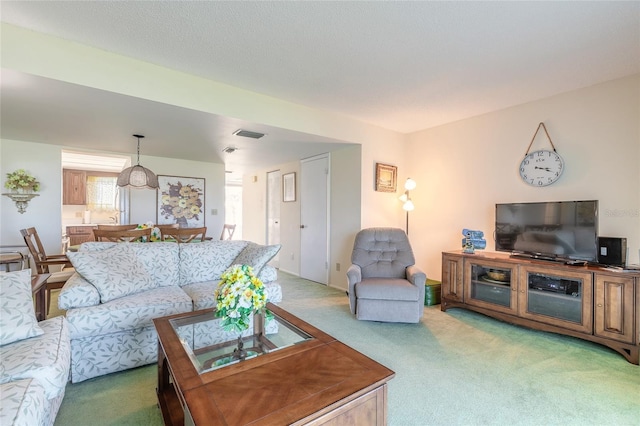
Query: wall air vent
[
  {"x": 229, "y": 149},
  {"x": 248, "y": 134}
]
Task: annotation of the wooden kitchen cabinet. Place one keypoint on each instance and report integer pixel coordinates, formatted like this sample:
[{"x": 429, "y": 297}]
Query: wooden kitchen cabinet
[{"x": 74, "y": 187}]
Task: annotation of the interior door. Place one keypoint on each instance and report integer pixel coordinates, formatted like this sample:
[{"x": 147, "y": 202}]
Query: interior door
[
  {"x": 274, "y": 191},
  {"x": 314, "y": 214}
]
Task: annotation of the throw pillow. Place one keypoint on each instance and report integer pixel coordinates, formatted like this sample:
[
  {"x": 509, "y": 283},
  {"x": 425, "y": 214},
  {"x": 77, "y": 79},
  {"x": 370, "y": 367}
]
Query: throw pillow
[
  {"x": 17, "y": 316},
  {"x": 257, "y": 255},
  {"x": 115, "y": 272}
]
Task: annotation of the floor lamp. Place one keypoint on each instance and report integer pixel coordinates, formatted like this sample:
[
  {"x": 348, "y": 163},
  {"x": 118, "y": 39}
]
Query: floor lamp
[{"x": 407, "y": 205}]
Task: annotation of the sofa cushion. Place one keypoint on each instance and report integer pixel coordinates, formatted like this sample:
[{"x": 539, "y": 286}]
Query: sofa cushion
[
  {"x": 23, "y": 403},
  {"x": 256, "y": 256},
  {"x": 115, "y": 272},
  {"x": 45, "y": 358},
  {"x": 127, "y": 313},
  {"x": 17, "y": 316},
  {"x": 161, "y": 260},
  {"x": 208, "y": 260},
  {"x": 387, "y": 289}
]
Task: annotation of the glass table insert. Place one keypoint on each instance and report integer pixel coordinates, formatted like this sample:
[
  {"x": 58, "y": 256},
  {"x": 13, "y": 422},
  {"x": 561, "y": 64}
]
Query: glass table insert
[{"x": 210, "y": 347}]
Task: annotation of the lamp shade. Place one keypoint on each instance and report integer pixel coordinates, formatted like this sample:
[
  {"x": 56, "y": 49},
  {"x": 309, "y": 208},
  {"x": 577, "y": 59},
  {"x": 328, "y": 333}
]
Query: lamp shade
[
  {"x": 408, "y": 205},
  {"x": 138, "y": 177},
  {"x": 410, "y": 184}
]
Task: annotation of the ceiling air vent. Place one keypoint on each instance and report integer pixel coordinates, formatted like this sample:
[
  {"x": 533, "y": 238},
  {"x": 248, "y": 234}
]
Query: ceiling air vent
[
  {"x": 248, "y": 134},
  {"x": 229, "y": 149}
]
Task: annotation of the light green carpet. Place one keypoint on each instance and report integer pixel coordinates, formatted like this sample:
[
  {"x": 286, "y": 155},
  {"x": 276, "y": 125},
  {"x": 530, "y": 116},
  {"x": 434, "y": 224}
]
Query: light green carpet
[{"x": 453, "y": 368}]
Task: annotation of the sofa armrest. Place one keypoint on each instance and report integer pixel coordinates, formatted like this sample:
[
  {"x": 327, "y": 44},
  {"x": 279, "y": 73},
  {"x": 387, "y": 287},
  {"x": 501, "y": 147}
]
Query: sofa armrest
[
  {"x": 354, "y": 276},
  {"x": 78, "y": 293}
]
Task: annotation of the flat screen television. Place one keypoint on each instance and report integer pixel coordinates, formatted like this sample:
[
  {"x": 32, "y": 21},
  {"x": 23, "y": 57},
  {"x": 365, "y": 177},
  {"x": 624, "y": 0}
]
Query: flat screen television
[{"x": 554, "y": 230}]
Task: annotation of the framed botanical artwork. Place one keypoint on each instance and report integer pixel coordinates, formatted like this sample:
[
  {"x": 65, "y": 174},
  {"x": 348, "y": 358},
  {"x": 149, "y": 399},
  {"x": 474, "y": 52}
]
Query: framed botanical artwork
[
  {"x": 180, "y": 200},
  {"x": 386, "y": 177},
  {"x": 289, "y": 187}
]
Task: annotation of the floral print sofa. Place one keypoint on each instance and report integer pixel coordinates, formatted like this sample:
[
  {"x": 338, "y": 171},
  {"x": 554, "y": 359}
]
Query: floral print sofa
[
  {"x": 119, "y": 288},
  {"x": 34, "y": 357}
]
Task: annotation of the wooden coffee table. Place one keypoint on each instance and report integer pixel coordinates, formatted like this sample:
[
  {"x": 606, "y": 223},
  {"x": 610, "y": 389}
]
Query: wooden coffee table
[{"x": 298, "y": 375}]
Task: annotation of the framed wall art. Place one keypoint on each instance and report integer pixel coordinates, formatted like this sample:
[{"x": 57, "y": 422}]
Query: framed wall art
[
  {"x": 386, "y": 177},
  {"x": 289, "y": 187},
  {"x": 180, "y": 200}
]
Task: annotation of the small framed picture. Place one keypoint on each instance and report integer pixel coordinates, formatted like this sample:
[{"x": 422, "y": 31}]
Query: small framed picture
[
  {"x": 289, "y": 187},
  {"x": 386, "y": 177}
]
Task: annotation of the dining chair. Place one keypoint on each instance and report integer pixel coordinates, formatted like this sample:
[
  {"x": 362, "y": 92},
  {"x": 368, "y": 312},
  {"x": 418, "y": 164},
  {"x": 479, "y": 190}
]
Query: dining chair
[
  {"x": 185, "y": 235},
  {"x": 43, "y": 261},
  {"x": 109, "y": 227},
  {"x": 227, "y": 231},
  {"x": 125, "y": 236},
  {"x": 166, "y": 227}
]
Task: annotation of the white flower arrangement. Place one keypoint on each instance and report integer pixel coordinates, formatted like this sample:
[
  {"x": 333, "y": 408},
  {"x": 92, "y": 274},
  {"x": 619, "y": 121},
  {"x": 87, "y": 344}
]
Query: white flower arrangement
[{"x": 240, "y": 295}]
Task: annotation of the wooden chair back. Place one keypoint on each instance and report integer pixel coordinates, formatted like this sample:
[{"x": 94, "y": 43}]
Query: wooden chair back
[
  {"x": 169, "y": 226},
  {"x": 185, "y": 235},
  {"x": 109, "y": 227},
  {"x": 227, "y": 231},
  {"x": 126, "y": 236},
  {"x": 36, "y": 249}
]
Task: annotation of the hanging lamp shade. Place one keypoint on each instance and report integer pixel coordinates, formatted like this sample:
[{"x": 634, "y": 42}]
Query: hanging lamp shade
[{"x": 138, "y": 176}]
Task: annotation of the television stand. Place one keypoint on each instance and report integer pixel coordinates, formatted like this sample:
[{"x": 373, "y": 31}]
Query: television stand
[{"x": 588, "y": 302}]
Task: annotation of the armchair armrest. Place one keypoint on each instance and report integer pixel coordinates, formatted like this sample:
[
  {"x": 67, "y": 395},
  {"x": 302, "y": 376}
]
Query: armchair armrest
[
  {"x": 416, "y": 276},
  {"x": 419, "y": 279},
  {"x": 354, "y": 276}
]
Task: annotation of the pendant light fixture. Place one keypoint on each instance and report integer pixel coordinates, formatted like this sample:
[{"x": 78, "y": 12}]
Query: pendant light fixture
[{"x": 138, "y": 176}]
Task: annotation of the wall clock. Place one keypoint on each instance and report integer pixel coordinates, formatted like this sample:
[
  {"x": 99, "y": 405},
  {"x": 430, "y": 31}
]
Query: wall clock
[{"x": 543, "y": 167}]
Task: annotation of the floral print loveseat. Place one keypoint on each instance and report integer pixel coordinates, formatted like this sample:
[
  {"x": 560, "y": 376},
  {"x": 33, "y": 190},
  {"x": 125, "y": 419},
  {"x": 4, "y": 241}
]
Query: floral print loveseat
[
  {"x": 119, "y": 288},
  {"x": 34, "y": 356}
]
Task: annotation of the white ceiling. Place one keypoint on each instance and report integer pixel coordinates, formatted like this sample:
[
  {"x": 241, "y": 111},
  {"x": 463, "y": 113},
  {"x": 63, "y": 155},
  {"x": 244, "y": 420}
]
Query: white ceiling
[{"x": 405, "y": 66}]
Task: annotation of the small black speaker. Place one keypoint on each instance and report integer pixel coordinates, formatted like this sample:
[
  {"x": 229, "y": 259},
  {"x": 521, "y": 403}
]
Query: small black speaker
[{"x": 612, "y": 251}]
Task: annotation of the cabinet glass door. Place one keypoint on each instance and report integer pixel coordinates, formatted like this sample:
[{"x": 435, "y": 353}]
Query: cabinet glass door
[
  {"x": 558, "y": 299},
  {"x": 490, "y": 286}
]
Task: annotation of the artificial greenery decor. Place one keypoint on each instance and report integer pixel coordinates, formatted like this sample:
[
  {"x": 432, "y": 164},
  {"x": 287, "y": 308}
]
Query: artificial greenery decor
[{"x": 20, "y": 180}]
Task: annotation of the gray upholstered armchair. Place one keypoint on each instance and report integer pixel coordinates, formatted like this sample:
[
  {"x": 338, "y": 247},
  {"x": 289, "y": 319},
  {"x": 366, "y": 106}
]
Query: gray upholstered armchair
[{"x": 384, "y": 283}]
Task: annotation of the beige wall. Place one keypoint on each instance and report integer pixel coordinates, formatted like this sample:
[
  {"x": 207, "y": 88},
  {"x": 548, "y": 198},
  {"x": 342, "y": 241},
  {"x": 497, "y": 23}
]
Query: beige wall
[{"x": 464, "y": 168}]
